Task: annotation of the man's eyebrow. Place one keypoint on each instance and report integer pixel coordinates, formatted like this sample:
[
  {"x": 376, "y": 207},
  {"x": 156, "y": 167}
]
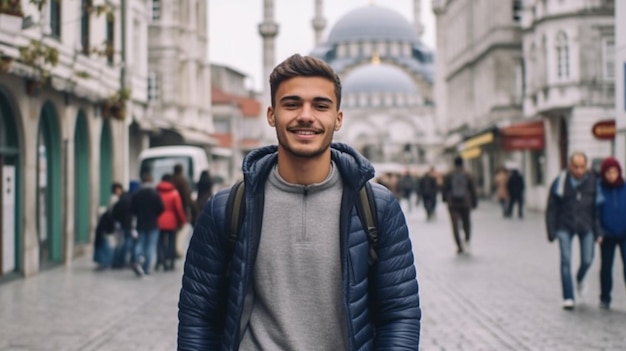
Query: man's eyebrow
[{"x": 298, "y": 98}]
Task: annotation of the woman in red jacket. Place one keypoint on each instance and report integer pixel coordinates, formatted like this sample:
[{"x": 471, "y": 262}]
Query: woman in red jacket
[{"x": 169, "y": 222}]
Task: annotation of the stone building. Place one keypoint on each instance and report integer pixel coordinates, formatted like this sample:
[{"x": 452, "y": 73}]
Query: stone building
[
  {"x": 569, "y": 52},
  {"x": 479, "y": 81},
  {"x": 178, "y": 80},
  {"x": 63, "y": 140},
  {"x": 523, "y": 83}
]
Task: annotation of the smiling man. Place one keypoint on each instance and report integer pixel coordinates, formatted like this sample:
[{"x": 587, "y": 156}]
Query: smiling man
[{"x": 301, "y": 275}]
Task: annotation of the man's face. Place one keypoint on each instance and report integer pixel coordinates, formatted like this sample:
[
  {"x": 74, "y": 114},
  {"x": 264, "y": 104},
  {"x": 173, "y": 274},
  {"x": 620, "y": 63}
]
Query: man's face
[
  {"x": 305, "y": 116},
  {"x": 578, "y": 166}
]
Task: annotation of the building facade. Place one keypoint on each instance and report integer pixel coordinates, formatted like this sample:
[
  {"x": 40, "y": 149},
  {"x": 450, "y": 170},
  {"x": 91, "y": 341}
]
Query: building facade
[
  {"x": 537, "y": 77},
  {"x": 479, "y": 81},
  {"x": 63, "y": 115},
  {"x": 178, "y": 78},
  {"x": 569, "y": 51}
]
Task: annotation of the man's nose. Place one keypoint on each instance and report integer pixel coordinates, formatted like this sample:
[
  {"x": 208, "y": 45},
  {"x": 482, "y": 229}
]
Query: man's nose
[{"x": 306, "y": 113}]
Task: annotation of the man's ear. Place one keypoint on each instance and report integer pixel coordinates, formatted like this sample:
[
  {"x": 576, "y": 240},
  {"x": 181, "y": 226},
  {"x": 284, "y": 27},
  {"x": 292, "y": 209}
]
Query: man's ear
[
  {"x": 271, "y": 120},
  {"x": 339, "y": 121}
]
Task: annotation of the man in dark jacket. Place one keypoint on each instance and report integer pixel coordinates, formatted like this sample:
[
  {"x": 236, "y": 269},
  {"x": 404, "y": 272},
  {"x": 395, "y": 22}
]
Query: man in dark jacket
[
  {"x": 123, "y": 215},
  {"x": 428, "y": 189},
  {"x": 459, "y": 192},
  {"x": 515, "y": 186},
  {"x": 571, "y": 211},
  {"x": 146, "y": 206},
  {"x": 299, "y": 274}
]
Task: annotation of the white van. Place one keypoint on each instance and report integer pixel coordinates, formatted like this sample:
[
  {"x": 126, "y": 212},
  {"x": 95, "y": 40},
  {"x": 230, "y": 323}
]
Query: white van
[{"x": 161, "y": 160}]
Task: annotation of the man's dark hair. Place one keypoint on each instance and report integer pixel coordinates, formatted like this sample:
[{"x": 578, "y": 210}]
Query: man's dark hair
[
  {"x": 178, "y": 168},
  {"x": 303, "y": 66},
  {"x": 458, "y": 161},
  {"x": 116, "y": 186},
  {"x": 167, "y": 178}
]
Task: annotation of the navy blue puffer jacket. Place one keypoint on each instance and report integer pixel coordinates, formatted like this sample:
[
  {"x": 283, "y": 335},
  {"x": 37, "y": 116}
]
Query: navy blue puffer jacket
[{"x": 382, "y": 307}]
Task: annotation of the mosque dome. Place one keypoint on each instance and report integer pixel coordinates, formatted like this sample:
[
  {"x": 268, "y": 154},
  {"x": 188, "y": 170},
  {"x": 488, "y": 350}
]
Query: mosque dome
[
  {"x": 372, "y": 23},
  {"x": 378, "y": 78}
]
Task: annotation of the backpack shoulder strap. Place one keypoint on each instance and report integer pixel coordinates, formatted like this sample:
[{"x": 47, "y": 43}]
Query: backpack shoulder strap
[
  {"x": 233, "y": 218},
  {"x": 366, "y": 208}
]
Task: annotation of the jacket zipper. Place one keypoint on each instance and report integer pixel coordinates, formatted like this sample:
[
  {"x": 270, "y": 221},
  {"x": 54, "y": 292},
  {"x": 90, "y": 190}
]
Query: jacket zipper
[{"x": 303, "y": 233}]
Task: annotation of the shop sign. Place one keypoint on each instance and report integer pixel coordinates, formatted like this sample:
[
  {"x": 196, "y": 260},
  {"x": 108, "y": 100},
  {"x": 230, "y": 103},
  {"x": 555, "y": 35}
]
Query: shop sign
[{"x": 604, "y": 130}]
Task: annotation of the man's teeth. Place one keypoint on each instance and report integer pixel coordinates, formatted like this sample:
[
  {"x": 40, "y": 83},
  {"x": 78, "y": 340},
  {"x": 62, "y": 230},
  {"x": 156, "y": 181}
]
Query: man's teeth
[{"x": 305, "y": 132}]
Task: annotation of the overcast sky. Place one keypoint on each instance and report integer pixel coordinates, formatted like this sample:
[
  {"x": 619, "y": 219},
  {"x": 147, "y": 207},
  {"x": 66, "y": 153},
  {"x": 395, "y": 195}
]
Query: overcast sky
[{"x": 234, "y": 40}]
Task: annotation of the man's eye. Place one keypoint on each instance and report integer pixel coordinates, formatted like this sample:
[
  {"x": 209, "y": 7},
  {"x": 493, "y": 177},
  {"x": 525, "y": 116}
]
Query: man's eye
[
  {"x": 290, "y": 105},
  {"x": 323, "y": 107}
]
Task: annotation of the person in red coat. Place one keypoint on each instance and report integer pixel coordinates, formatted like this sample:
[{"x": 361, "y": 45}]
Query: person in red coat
[{"x": 169, "y": 222}]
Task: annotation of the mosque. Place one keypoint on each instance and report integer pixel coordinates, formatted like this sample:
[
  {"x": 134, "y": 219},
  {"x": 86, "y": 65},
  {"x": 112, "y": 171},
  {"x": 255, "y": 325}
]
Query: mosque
[{"x": 387, "y": 75}]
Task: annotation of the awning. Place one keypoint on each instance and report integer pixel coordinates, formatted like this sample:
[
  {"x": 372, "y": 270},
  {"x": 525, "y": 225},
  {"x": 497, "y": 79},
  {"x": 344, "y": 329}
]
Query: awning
[
  {"x": 469, "y": 154},
  {"x": 523, "y": 136},
  {"x": 481, "y": 139}
]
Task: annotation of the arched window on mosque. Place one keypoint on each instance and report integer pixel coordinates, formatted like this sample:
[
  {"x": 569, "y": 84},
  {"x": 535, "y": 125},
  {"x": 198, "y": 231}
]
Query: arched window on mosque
[
  {"x": 375, "y": 99},
  {"x": 395, "y": 49},
  {"x": 367, "y": 49},
  {"x": 354, "y": 50},
  {"x": 406, "y": 50},
  {"x": 388, "y": 99},
  {"x": 381, "y": 48},
  {"x": 562, "y": 56}
]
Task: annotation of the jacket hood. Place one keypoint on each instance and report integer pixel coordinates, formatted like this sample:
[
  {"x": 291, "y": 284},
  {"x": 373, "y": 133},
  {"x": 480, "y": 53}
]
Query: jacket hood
[
  {"x": 354, "y": 168},
  {"x": 164, "y": 187}
]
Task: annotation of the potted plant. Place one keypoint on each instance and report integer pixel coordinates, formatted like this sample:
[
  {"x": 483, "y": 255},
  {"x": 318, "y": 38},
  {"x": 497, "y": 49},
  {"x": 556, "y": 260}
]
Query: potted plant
[
  {"x": 115, "y": 105},
  {"x": 11, "y": 16}
]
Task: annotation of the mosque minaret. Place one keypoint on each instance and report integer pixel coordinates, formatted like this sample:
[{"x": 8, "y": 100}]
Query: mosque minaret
[
  {"x": 319, "y": 22},
  {"x": 417, "y": 17},
  {"x": 268, "y": 29}
]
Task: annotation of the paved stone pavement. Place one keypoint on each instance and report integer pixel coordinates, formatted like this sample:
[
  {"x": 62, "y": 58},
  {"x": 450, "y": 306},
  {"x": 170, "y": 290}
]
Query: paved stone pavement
[{"x": 505, "y": 295}]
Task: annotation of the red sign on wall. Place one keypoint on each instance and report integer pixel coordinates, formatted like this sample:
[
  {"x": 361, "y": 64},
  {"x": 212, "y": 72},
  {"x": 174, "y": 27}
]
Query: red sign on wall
[{"x": 604, "y": 130}]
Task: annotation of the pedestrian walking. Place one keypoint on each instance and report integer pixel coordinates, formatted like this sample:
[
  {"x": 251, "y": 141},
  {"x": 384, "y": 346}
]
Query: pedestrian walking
[
  {"x": 515, "y": 187},
  {"x": 571, "y": 212},
  {"x": 171, "y": 219},
  {"x": 501, "y": 180},
  {"x": 205, "y": 191},
  {"x": 299, "y": 273},
  {"x": 106, "y": 228},
  {"x": 428, "y": 189},
  {"x": 406, "y": 186},
  {"x": 459, "y": 192},
  {"x": 124, "y": 252},
  {"x": 146, "y": 206},
  {"x": 611, "y": 208}
]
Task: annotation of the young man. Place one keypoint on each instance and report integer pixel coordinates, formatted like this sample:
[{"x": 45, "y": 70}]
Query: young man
[
  {"x": 299, "y": 274},
  {"x": 459, "y": 193},
  {"x": 146, "y": 207},
  {"x": 572, "y": 212}
]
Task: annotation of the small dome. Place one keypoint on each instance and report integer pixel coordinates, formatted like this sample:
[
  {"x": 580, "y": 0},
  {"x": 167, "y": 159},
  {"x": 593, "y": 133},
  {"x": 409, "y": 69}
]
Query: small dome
[
  {"x": 378, "y": 78},
  {"x": 372, "y": 23}
]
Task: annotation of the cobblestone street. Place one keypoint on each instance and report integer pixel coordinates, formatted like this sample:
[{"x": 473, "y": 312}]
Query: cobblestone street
[{"x": 505, "y": 295}]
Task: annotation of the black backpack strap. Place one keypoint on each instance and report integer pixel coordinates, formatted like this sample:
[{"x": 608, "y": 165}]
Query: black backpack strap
[
  {"x": 233, "y": 219},
  {"x": 366, "y": 208}
]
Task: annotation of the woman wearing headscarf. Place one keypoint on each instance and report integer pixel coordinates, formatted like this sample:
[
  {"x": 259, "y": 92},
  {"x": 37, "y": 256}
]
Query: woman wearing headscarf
[{"x": 612, "y": 207}]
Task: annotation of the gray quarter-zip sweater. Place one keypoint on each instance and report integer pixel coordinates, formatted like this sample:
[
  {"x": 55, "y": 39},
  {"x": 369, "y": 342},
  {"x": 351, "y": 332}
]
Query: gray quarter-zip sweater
[{"x": 297, "y": 297}]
